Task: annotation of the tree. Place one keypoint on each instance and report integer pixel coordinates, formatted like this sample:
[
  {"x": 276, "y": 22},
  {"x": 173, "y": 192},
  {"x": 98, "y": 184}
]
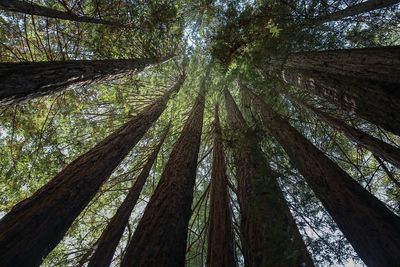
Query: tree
[
  {"x": 376, "y": 146},
  {"x": 363, "y": 81},
  {"x": 354, "y": 10},
  {"x": 160, "y": 237},
  {"x": 350, "y": 205},
  {"x": 269, "y": 233},
  {"x": 38, "y": 10},
  {"x": 23, "y": 81},
  {"x": 111, "y": 236},
  {"x": 34, "y": 226},
  {"x": 220, "y": 249}
]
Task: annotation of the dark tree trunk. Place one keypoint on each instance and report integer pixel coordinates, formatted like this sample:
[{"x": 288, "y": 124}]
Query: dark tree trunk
[
  {"x": 221, "y": 251},
  {"x": 112, "y": 234},
  {"x": 30, "y": 8},
  {"x": 269, "y": 233},
  {"x": 35, "y": 226},
  {"x": 354, "y": 10},
  {"x": 160, "y": 237},
  {"x": 377, "y": 147},
  {"x": 371, "y": 228},
  {"x": 363, "y": 81},
  {"x": 22, "y": 81}
]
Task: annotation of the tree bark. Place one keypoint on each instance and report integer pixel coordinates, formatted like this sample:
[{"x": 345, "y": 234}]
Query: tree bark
[
  {"x": 220, "y": 249},
  {"x": 22, "y": 81},
  {"x": 35, "y": 225},
  {"x": 27, "y": 7},
  {"x": 364, "y": 7},
  {"x": 112, "y": 234},
  {"x": 377, "y": 147},
  {"x": 269, "y": 233},
  {"x": 160, "y": 237},
  {"x": 371, "y": 228}
]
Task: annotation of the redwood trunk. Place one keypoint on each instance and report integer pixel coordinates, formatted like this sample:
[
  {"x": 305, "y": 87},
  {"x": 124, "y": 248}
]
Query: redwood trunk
[
  {"x": 160, "y": 237},
  {"x": 371, "y": 228},
  {"x": 356, "y": 9},
  {"x": 22, "y": 81},
  {"x": 35, "y": 225},
  {"x": 112, "y": 234},
  {"x": 377, "y": 147},
  {"x": 221, "y": 252},
  {"x": 26, "y": 7},
  {"x": 269, "y": 234},
  {"x": 363, "y": 81}
]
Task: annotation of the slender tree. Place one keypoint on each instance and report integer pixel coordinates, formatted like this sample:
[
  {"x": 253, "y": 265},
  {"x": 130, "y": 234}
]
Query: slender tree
[
  {"x": 110, "y": 237},
  {"x": 35, "y": 225},
  {"x": 376, "y": 146},
  {"x": 160, "y": 237},
  {"x": 269, "y": 233},
  {"x": 221, "y": 252},
  {"x": 371, "y": 228},
  {"x": 22, "y": 81},
  {"x": 353, "y": 10},
  {"x": 363, "y": 81},
  {"x": 27, "y": 7}
]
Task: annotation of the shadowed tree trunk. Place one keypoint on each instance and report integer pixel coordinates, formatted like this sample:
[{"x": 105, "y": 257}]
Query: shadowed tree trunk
[
  {"x": 221, "y": 252},
  {"x": 354, "y": 10},
  {"x": 22, "y": 81},
  {"x": 112, "y": 234},
  {"x": 371, "y": 228},
  {"x": 363, "y": 81},
  {"x": 27, "y": 7},
  {"x": 269, "y": 234},
  {"x": 34, "y": 226},
  {"x": 377, "y": 147},
  {"x": 160, "y": 237}
]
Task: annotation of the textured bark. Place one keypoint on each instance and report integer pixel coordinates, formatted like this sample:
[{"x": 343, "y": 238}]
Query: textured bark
[
  {"x": 34, "y": 226},
  {"x": 112, "y": 234},
  {"x": 371, "y": 228},
  {"x": 377, "y": 147},
  {"x": 22, "y": 81},
  {"x": 378, "y": 63},
  {"x": 221, "y": 252},
  {"x": 367, "y": 99},
  {"x": 269, "y": 233},
  {"x": 30, "y": 8},
  {"x": 356, "y": 9},
  {"x": 160, "y": 237}
]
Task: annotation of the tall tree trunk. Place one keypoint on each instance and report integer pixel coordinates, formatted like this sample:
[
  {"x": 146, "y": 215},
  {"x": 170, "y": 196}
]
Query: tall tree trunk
[
  {"x": 112, "y": 234},
  {"x": 363, "y": 81},
  {"x": 27, "y": 7},
  {"x": 371, "y": 228},
  {"x": 35, "y": 225},
  {"x": 269, "y": 233},
  {"x": 221, "y": 251},
  {"x": 353, "y": 10},
  {"x": 377, "y": 147},
  {"x": 160, "y": 237},
  {"x": 22, "y": 81}
]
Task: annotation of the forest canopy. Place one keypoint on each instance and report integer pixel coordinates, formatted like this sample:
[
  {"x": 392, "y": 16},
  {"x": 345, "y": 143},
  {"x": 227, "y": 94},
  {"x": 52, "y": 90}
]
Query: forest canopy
[{"x": 199, "y": 133}]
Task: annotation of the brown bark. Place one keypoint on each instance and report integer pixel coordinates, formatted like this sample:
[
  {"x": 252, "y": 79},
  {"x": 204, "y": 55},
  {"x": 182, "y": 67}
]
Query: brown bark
[
  {"x": 112, "y": 234},
  {"x": 377, "y": 147},
  {"x": 35, "y": 225},
  {"x": 371, "y": 228},
  {"x": 364, "y": 7},
  {"x": 269, "y": 233},
  {"x": 22, "y": 81},
  {"x": 27, "y": 7},
  {"x": 365, "y": 98},
  {"x": 160, "y": 237},
  {"x": 221, "y": 252}
]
